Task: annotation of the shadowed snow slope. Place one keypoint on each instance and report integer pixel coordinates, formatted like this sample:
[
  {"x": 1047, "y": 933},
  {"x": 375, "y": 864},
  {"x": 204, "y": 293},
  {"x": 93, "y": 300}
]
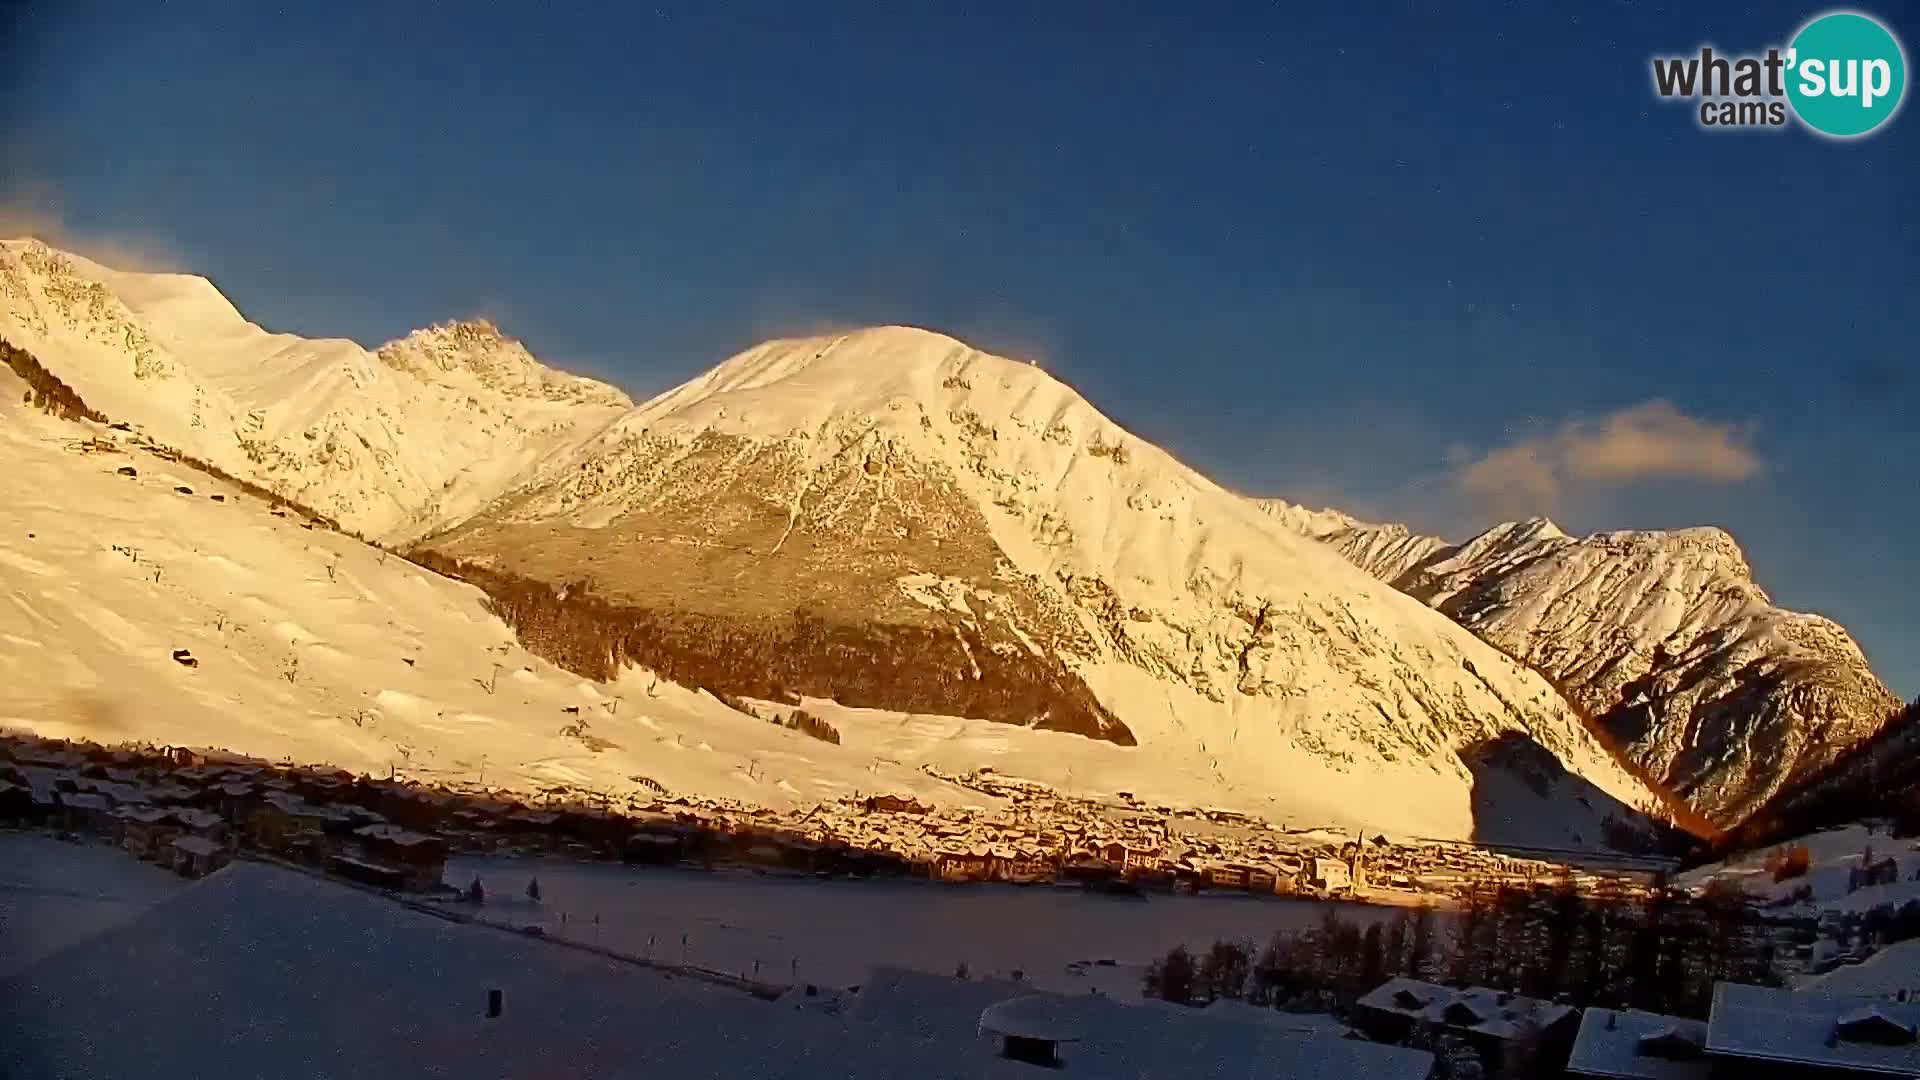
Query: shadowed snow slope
[
  {"x": 886, "y": 519},
  {"x": 1663, "y": 637}
]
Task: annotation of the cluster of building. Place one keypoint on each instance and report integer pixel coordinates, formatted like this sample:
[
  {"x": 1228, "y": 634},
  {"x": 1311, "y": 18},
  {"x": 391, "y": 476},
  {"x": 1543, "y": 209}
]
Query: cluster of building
[
  {"x": 195, "y": 808},
  {"x": 1753, "y": 1031},
  {"x": 193, "y": 813}
]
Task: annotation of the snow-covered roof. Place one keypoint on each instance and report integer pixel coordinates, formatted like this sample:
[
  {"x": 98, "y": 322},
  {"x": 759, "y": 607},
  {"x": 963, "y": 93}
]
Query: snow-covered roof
[
  {"x": 1892, "y": 971},
  {"x": 1035, "y": 1016},
  {"x": 196, "y": 845},
  {"x": 1639, "y": 1045},
  {"x": 1477, "y": 1008},
  {"x": 923, "y": 1005},
  {"x": 194, "y": 818},
  {"x": 1122, "y": 1039},
  {"x": 393, "y": 834},
  {"x": 1862, "y": 1034},
  {"x": 87, "y": 801}
]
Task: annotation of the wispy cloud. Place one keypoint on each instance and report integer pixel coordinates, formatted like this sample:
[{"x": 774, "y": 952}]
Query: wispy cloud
[
  {"x": 1653, "y": 440},
  {"x": 33, "y": 209}
]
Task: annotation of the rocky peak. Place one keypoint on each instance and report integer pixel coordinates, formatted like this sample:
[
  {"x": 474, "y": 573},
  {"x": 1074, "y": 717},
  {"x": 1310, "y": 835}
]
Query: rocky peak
[{"x": 476, "y": 348}]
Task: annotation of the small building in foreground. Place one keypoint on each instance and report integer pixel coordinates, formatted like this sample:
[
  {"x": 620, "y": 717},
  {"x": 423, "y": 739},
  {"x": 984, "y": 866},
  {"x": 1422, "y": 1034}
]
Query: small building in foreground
[
  {"x": 418, "y": 860},
  {"x": 1031, "y": 1029},
  {"x": 196, "y": 856},
  {"x": 1495, "y": 1023},
  {"x": 1768, "y": 1033},
  {"x": 1626, "y": 1044}
]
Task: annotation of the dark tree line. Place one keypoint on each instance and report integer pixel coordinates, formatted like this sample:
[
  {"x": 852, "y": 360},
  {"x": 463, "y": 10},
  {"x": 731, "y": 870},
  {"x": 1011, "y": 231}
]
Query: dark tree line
[
  {"x": 1547, "y": 942},
  {"x": 909, "y": 667},
  {"x": 45, "y": 390},
  {"x": 1879, "y": 778}
]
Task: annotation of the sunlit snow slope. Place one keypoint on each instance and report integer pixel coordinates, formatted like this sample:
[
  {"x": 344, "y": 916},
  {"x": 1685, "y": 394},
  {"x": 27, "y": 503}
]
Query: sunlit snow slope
[{"x": 390, "y": 443}]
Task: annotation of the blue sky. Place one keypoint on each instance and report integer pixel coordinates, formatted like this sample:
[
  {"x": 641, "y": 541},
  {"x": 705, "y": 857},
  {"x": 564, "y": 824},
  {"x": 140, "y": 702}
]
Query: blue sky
[{"x": 1435, "y": 262}]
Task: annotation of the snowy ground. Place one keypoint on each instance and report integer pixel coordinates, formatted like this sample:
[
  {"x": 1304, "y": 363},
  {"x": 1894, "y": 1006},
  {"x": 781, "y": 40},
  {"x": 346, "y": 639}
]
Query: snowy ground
[
  {"x": 830, "y": 932},
  {"x": 263, "y": 971},
  {"x": 54, "y": 893}
]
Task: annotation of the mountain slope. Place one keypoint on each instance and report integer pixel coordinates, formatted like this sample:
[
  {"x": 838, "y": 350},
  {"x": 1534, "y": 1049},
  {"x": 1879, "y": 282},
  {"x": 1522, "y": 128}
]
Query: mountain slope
[
  {"x": 1664, "y": 637},
  {"x": 887, "y": 519},
  {"x": 814, "y": 503},
  {"x": 390, "y": 443},
  {"x": 310, "y": 646}
]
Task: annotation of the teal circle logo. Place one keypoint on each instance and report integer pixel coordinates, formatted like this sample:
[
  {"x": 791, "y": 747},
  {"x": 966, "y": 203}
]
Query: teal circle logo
[{"x": 1846, "y": 74}]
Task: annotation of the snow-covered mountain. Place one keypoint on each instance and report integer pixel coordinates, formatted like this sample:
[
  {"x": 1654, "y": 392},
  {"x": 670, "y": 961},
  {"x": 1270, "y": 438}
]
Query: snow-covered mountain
[
  {"x": 887, "y": 519},
  {"x": 1663, "y": 637},
  {"x": 391, "y": 443},
  {"x": 894, "y": 519}
]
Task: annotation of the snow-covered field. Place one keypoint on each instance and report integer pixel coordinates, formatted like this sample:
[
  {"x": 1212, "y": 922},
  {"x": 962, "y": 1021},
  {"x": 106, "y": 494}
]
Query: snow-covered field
[
  {"x": 268, "y": 972},
  {"x": 831, "y": 932},
  {"x": 54, "y": 893}
]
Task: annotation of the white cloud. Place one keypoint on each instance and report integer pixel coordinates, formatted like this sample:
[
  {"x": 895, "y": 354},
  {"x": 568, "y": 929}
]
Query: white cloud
[{"x": 1651, "y": 440}]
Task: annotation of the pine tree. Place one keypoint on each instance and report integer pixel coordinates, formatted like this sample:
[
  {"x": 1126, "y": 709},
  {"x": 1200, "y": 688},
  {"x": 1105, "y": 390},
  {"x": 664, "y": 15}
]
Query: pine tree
[
  {"x": 1420, "y": 963},
  {"x": 1373, "y": 963},
  {"x": 1172, "y": 977}
]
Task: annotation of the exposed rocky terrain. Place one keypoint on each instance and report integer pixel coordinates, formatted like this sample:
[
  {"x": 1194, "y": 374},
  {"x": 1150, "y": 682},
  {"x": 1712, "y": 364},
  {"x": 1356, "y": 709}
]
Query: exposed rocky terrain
[{"x": 1663, "y": 637}]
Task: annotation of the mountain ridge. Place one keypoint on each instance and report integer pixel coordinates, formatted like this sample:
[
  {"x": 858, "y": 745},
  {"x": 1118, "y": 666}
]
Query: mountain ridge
[{"x": 888, "y": 492}]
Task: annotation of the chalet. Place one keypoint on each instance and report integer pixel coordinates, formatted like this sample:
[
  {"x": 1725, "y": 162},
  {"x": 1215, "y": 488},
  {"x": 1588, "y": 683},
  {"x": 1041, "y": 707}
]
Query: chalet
[
  {"x": 1088, "y": 870},
  {"x": 1226, "y": 876},
  {"x": 87, "y": 812},
  {"x": 894, "y": 804},
  {"x": 1331, "y": 876},
  {"x": 653, "y": 849},
  {"x": 1492, "y": 1021},
  {"x": 954, "y": 866},
  {"x": 1139, "y": 862},
  {"x": 202, "y": 823},
  {"x": 1626, "y": 1044},
  {"x": 16, "y": 802},
  {"x": 196, "y": 856},
  {"x": 1769, "y": 1033},
  {"x": 1027, "y": 867},
  {"x": 291, "y": 827},
  {"x": 419, "y": 859},
  {"x": 146, "y": 831}
]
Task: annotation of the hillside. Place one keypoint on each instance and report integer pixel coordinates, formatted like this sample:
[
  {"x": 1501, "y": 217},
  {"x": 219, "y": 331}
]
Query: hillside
[
  {"x": 894, "y": 517},
  {"x": 390, "y": 443}
]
